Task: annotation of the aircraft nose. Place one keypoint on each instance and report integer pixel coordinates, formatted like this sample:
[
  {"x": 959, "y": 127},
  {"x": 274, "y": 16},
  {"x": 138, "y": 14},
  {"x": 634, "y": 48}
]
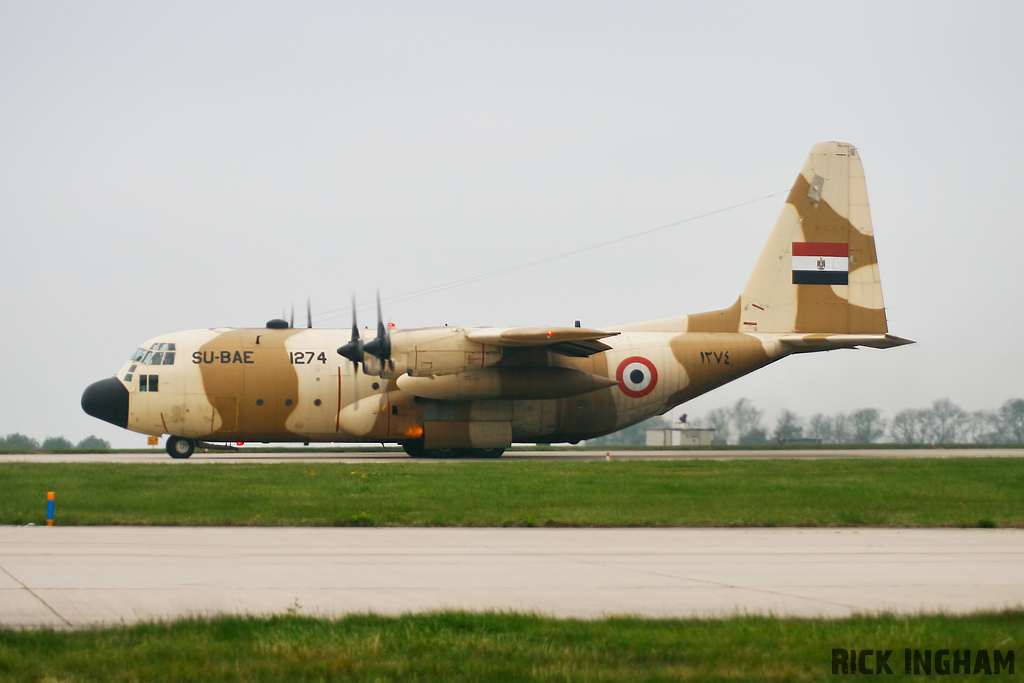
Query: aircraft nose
[{"x": 107, "y": 400}]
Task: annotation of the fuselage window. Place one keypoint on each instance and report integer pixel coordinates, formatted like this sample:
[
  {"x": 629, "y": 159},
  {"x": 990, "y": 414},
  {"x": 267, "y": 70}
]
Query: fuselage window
[
  {"x": 154, "y": 383},
  {"x": 143, "y": 383},
  {"x": 128, "y": 377}
]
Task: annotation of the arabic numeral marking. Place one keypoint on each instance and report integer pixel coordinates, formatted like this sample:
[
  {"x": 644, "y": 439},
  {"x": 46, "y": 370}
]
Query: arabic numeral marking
[
  {"x": 715, "y": 357},
  {"x": 306, "y": 357}
]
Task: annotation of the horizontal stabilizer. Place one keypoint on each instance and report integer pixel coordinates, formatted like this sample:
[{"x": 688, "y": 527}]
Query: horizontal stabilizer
[
  {"x": 569, "y": 341},
  {"x": 827, "y": 342}
]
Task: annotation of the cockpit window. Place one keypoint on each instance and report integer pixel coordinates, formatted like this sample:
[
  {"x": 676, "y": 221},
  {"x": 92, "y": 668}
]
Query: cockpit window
[{"x": 161, "y": 353}]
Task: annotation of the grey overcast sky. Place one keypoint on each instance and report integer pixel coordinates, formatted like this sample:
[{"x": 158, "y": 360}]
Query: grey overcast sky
[{"x": 168, "y": 166}]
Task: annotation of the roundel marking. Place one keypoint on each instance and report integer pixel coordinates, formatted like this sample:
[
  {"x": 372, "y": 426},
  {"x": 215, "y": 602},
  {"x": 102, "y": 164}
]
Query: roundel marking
[{"x": 637, "y": 376}]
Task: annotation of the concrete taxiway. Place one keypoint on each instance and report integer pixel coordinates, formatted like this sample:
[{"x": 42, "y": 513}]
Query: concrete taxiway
[
  {"x": 273, "y": 456},
  {"x": 77, "y": 577}
]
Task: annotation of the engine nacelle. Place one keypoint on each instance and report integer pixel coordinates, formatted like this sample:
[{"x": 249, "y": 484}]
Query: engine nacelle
[{"x": 438, "y": 351}]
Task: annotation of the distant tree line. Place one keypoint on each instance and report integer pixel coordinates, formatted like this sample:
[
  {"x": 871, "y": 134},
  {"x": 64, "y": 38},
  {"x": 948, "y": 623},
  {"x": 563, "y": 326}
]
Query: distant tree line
[
  {"x": 741, "y": 423},
  {"x": 20, "y": 442},
  {"x": 942, "y": 423}
]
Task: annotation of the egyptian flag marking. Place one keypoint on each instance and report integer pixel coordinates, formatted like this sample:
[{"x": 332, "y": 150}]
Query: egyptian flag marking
[{"x": 821, "y": 263}]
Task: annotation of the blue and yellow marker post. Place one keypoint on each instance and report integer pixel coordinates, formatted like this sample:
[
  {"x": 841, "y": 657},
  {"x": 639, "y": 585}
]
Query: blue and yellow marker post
[{"x": 49, "y": 509}]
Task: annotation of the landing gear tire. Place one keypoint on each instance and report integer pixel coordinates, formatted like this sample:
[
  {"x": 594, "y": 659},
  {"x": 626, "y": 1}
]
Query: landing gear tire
[
  {"x": 414, "y": 449},
  {"x": 179, "y": 447}
]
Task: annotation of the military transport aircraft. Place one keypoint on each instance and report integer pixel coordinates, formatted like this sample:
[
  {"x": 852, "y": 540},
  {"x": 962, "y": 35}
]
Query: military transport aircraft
[{"x": 474, "y": 391}]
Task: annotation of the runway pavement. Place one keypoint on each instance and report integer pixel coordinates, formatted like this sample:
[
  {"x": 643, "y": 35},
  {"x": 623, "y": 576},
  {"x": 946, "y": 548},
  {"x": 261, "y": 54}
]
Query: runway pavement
[
  {"x": 273, "y": 456},
  {"x": 83, "y": 576}
]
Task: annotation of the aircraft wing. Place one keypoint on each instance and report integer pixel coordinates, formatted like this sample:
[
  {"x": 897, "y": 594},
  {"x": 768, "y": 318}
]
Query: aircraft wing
[{"x": 568, "y": 341}]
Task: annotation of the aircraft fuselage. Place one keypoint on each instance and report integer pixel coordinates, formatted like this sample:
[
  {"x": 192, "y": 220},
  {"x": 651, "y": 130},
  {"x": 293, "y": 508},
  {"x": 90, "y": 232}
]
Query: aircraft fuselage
[{"x": 291, "y": 386}]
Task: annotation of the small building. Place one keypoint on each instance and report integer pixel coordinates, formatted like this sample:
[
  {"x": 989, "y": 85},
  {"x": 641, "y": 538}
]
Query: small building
[{"x": 680, "y": 436}]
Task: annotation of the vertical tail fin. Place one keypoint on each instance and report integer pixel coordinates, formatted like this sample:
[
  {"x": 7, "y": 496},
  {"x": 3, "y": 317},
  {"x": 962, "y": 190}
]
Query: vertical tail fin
[{"x": 818, "y": 272}]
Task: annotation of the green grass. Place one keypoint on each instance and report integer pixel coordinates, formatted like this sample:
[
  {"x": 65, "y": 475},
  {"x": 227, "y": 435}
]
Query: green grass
[
  {"x": 287, "y": 448},
  {"x": 457, "y": 646},
  {"x": 967, "y": 492}
]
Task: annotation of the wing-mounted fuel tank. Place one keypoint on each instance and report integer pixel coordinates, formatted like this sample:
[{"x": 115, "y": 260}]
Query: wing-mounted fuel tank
[{"x": 505, "y": 383}]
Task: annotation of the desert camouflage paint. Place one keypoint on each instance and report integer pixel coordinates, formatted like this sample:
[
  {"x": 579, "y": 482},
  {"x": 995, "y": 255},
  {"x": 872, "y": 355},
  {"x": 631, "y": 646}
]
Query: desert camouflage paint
[{"x": 815, "y": 286}]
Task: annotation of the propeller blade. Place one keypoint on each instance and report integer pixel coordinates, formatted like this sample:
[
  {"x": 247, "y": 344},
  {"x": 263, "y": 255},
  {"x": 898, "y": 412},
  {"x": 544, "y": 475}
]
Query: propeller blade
[
  {"x": 358, "y": 341},
  {"x": 309, "y": 314},
  {"x": 380, "y": 318},
  {"x": 355, "y": 385},
  {"x": 355, "y": 327},
  {"x": 354, "y": 348},
  {"x": 291, "y": 321},
  {"x": 381, "y": 345}
]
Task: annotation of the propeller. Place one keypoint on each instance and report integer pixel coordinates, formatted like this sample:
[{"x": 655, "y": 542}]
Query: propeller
[
  {"x": 380, "y": 347},
  {"x": 353, "y": 350},
  {"x": 291, "y": 320},
  {"x": 309, "y": 314}
]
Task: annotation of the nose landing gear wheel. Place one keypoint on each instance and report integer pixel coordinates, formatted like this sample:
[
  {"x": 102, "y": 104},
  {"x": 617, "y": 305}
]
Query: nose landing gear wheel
[{"x": 180, "y": 447}]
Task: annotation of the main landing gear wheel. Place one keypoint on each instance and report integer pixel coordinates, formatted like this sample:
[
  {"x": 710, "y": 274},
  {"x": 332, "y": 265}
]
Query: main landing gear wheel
[
  {"x": 415, "y": 449},
  {"x": 180, "y": 447}
]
